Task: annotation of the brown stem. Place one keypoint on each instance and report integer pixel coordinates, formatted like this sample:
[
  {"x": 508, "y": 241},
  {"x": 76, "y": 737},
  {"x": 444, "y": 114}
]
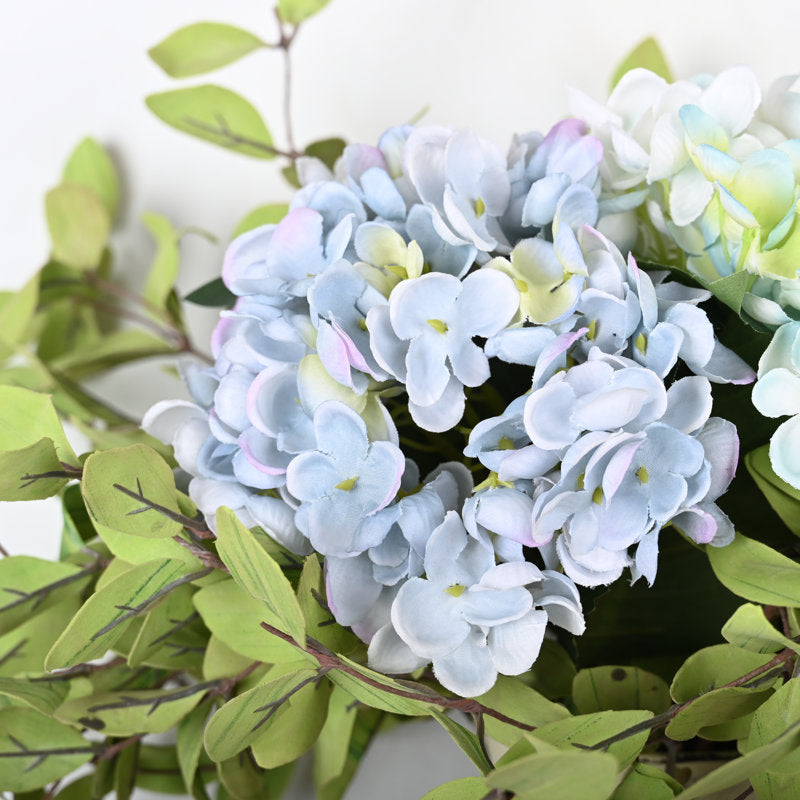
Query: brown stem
[
  {"x": 199, "y": 527},
  {"x": 118, "y": 747},
  {"x": 222, "y": 129},
  {"x": 285, "y": 45},
  {"x": 330, "y": 661},
  {"x": 205, "y": 556},
  {"x": 4, "y": 552}
]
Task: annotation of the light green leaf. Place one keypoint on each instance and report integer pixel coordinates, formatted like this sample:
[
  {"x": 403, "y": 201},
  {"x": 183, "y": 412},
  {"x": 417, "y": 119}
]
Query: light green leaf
[
  {"x": 369, "y": 692},
  {"x": 137, "y": 469},
  {"x": 26, "y": 417},
  {"x": 731, "y": 289},
  {"x": 618, "y": 688},
  {"x": 259, "y": 574},
  {"x": 295, "y": 11},
  {"x": 235, "y": 617},
  {"x": 251, "y": 715},
  {"x": 783, "y": 497},
  {"x": 164, "y": 271},
  {"x": 29, "y": 584},
  {"x": 744, "y": 768},
  {"x": 466, "y": 740},
  {"x": 41, "y": 695},
  {"x": 243, "y": 779},
  {"x": 269, "y": 214},
  {"x": 460, "y": 789},
  {"x": 79, "y": 225},
  {"x": 159, "y": 770},
  {"x": 35, "y": 749},
  {"x": 219, "y": 661},
  {"x": 137, "y": 550},
  {"x": 16, "y": 314},
  {"x": 647, "y": 55},
  {"x": 19, "y": 470},
  {"x": 756, "y": 572},
  {"x": 644, "y": 782},
  {"x": 24, "y": 648},
  {"x": 125, "y": 768},
  {"x": 103, "y": 617},
  {"x": 749, "y": 628},
  {"x": 203, "y": 47},
  {"x": 778, "y": 714},
  {"x": 126, "y": 712},
  {"x": 190, "y": 743},
  {"x": 514, "y": 699},
  {"x": 217, "y": 115},
  {"x": 558, "y": 776},
  {"x": 89, "y": 165},
  {"x": 591, "y": 729}
]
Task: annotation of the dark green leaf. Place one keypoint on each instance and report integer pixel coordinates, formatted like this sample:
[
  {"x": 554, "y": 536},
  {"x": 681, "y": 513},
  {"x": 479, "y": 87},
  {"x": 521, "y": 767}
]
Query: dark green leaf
[
  {"x": 214, "y": 294},
  {"x": 89, "y": 165},
  {"x": 79, "y": 225},
  {"x": 327, "y": 150},
  {"x": 295, "y": 11},
  {"x": 202, "y": 47},
  {"x": 190, "y": 743},
  {"x": 105, "y": 615},
  {"x": 35, "y": 749},
  {"x": 644, "y": 782},
  {"x": 259, "y": 574},
  {"x": 217, "y": 115},
  {"x": 290, "y": 175},
  {"x": 618, "y": 688},
  {"x": 783, "y": 498},
  {"x": 553, "y": 671},
  {"x": 140, "y": 470},
  {"x": 125, "y": 768},
  {"x": 756, "y": 572},
  {"x": 159, "y": 770},
  {"x": 647, "y": 55},
  {"x": 263, "y": 215}
]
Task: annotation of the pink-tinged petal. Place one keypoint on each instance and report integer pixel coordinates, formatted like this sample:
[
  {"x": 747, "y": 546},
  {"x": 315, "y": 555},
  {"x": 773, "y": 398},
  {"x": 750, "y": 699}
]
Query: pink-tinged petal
[
  {"x": 515, "y": 645},
  {"x": 332, "y": 351},
  {"x": 617, "y": 468},
  {"x": 699, "y": 525},
  {"x": 297, "y": 238},
  {"x": 721, "y": 444}
]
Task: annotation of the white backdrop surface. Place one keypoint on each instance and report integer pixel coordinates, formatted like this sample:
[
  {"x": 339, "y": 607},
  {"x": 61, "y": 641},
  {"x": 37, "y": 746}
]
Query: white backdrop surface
[{"x": 498, "y": 66}]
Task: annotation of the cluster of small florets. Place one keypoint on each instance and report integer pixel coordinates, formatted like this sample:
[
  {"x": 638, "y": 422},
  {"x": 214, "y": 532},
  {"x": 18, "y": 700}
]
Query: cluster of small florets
[{"x": 374, "y": 327}]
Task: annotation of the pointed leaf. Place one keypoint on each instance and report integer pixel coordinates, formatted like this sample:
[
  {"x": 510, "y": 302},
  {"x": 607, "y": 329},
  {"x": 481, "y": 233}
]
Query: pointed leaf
[
  {"x": 217, "y": 115},
  {"x": 466, "y": 740},
  {"x": 164, "y": 271},
  {"x": 79, "y": 225},
  {"x": 731, "y": 289},
  {"x": 783, "y": 497},
  {"x": 202, "y": 47},
  {"x": 327, "y": 150},
  {"x": 295, "y": 11},
  {"x": 213, "y": 294},
  {"x": 190, "y": 743},
  {"x": 460, "y": 789},
  {"x": 259, "y": 574},
  {"x": 55, "y": 749},
  {"x": 756, "y": 572},
  {"x": 89, "y": 165},
  {"x": 138, "y": 469},
  {"x": 105, "y": 615},
  {"x": 41, "y": 695},
  {"x": 644, "y": 782},
  {"x": 748, "y": 628},
  {"x": 647, "y": 55}
]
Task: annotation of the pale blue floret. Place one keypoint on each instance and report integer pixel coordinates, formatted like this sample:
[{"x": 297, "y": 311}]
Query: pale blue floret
[{"x": 342, "y": 483}]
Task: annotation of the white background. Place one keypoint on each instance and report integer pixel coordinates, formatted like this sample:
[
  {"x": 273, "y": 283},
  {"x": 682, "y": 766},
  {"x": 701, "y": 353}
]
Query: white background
[{"x": 75, "y": 68}]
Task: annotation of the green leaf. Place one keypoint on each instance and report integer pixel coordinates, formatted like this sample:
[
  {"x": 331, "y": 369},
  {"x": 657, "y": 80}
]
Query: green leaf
[
  {"x": 744, "y": 768},
  {"x": 16, "y": 314},
  {"x": 190, "y": 743},
  {"x": 125, "y": 713},
  {"x": 103, "y": 617},
  {"x": 558, "y": 776},
  {"x": 618, "y": 688},
  {"x": 126, "y": 765},
  {"x": 782, "y": 497},
  {"x": 217, "y": 115},
  {"x": 320, "y": 624},
  {"x": 375, "y": 690},
  {"x": 89, "y": 165},
  {"x": 460, "y": 789},
  {"x": 79, "y": 225},
  {"x": 213, "y": 294},
  {"x": 756, "y": 572},
  {"x": 137, "y": 550},
  {"x": 749, "y": 628},
  {"x": 646, "y": 55},
  {"x": 591, "y": 729},
  {"x": 243, "y": 779},
  {"x": 731, "y": 289},
  {"x": 44, "y": 696},
  {"x": 26, "y": 417},
  {"x": 644, "y": 782},
  {"x": 159, "y": 770},
  {"x": 269, "y": 214},
  {"x": 295, "y": 11},
  {"x": 137, "y": 469},
  {"x": 164, "y": 271},
  {"x": 24, "y": 648},
  {"x": 514, "y": 699},
  {"x": 327, "y": 151},
  {"x": 553, "y": 671},
  {"x": 219, "y": 661},
  {"x": 203, "y": 47},
  {"x": 35, "y": 749},
  {"x": 19, "y": 468},
  {"x": 235, "y": 617},
  {"x": 259, "y": 574},
  {"x": 466, "y": 740},
  {"x": 29, "y": 584}
]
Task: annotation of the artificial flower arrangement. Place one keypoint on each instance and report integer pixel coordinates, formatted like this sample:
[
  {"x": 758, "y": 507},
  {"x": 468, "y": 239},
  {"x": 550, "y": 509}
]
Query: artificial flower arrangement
[{"x": 467, "y": 447}]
